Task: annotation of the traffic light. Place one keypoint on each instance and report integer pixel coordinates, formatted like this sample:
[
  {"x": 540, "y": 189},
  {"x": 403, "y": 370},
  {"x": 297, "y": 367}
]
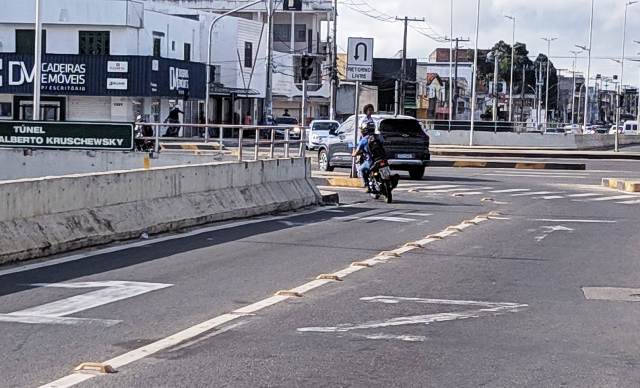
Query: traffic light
[
  {"x": 292, "y": 5},
  {"x": 306, "y": 67}
]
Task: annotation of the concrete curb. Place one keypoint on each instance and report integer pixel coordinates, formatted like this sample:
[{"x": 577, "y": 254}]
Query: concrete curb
[
  {"x": 498, "y": 164},
  {"x": 330, "y": 198},
  {"x": 622, "y": 185},
  {"x": 536, "y": 154}
]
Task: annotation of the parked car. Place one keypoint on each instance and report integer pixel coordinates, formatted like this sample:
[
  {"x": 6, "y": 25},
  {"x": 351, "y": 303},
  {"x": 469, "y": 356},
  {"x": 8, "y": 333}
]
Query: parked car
[
  {"x": 612, "y": 130},
  {"x": 630, "y": 128},
  {"x": 572, "y": 128},
  {"x": 405, "y": 141},
  {"x": 288, "y": 122},
  {"x": 318, "y": 131}
]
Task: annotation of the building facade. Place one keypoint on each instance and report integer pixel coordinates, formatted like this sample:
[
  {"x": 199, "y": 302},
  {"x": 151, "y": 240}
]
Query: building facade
[
  {"x": 294, "y": 33},
  {"x": 108, "y": 60}
]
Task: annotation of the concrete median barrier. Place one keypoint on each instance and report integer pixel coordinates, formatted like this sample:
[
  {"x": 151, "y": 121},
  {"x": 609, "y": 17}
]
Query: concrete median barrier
[{"x": 45, "y": 216}]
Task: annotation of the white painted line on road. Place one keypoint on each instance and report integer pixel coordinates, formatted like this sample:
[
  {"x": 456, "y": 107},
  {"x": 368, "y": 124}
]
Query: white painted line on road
[
  {"x": 138, "y": 244},
  {"x": 540, "y": 172},
  {"x": 376, "y": 218},
  {"x": 509, "y": 191},
  {"x": 381, "y": 336},
  {"x": 534, "y": 193},
  {"x": 576, "y": 221},
  {"x": 548, "y": 197},
  {"x": 57, "y": 312},
  {"x": 629, "y": 202},
  {"x": 548, "y": 230},
  {"x": 414, "y": 214},
  {"x": 446, "y": 191},
  {"x": 584, "y": 195},
  {"x": 614, "y": 198}
]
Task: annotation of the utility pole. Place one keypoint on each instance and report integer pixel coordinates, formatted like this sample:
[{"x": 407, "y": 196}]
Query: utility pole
[
  {"x": 451, "y": 61},
  {"x": 546, "y": 97},
  {"x": 403, "y": 75},
  {"x": 522, "y": 91},
  {"x": 586, "y": 90},
  {"x": 475, "y": 75},
  {"x": 495, "y": 88},
  {"x": 539, "y": 95},
  {"x": 334, "y": 65},
  {"x": 37, "y": 63},
  {"x": 268, "y": 103},
  {"x": 513, "y": 53},
  {"x": 396, "y": 99}
]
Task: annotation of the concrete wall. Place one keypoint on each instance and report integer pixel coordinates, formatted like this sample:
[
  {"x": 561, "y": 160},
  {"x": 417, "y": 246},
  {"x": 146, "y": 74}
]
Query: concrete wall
[
  {"x": 531, "y": 140},
  {"x": 14, "y": 164},
  {"x": 45, "y": 216}
]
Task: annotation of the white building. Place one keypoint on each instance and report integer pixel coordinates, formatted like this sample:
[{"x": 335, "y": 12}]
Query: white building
[
  {"x": 113, "y": 59},
  {"x": 295, "y": 33}
]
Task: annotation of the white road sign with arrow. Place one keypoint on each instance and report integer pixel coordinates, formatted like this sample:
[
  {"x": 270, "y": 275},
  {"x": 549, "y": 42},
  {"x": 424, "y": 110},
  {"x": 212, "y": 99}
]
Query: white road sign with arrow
[{"x": 360, "y": 59}]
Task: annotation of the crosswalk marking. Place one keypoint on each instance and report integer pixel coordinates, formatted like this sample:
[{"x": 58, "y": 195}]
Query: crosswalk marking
[
  {"x": 534, "y": 193},
  {"x": 615, "y": 198},
  {"x": 509, "y": 191}
]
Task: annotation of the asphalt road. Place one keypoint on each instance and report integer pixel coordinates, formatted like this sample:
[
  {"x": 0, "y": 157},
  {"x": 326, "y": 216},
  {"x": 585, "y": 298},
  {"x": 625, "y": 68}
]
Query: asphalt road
[{"x": 502, "y": 303}]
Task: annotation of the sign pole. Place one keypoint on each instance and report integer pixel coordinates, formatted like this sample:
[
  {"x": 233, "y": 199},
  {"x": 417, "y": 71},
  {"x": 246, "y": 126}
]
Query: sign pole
[
  {"x": 37, "y": 63},
  {"x": 356, "y": 126}
]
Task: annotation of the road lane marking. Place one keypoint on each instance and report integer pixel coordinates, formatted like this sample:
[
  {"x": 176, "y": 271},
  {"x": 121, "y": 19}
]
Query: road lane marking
[
  {"x": 549, "y": 197},
  {"x": 376, "y": 218},
  {"x": 205, "y": 327},
  {"x": 534, "y": 193},
  {"x": 485, "y": 309},
  {"x": 614, "y": 198},
  {"x": 548, "y": 230},
  {"x": 584, "y": 195},
  {"x": 57, "y": 312},
  {"x": 509, "y": 191},
  {"x": 629, "y": 202},
  {"x": 576, "y": 221}
]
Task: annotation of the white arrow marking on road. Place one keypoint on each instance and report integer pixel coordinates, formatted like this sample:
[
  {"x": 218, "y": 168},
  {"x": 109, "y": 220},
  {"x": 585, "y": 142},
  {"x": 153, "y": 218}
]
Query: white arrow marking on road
[
  {"x": 548, "y": 230},
  {"x": 57, "y": 312},
  {"x": 486, "y": 309}
]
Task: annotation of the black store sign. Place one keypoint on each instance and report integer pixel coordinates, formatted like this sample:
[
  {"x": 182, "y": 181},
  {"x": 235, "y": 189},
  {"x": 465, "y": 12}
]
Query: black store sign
[{"x": 90, "y": 75}]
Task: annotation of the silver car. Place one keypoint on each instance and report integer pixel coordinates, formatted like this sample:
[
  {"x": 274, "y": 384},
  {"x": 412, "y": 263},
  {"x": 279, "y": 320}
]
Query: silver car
[{"x": 405, "y": 141}]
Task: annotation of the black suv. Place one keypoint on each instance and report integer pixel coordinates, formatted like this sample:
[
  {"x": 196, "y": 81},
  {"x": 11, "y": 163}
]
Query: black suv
[{"x": 405, "y": 141}]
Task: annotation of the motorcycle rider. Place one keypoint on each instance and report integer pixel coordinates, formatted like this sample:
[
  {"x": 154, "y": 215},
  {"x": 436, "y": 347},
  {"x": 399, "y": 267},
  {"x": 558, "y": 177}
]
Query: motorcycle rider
[{"x": 363, "y": 155}]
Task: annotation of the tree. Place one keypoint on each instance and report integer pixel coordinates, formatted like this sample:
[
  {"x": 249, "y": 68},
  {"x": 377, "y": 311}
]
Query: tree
[{"x": 553, "y": 80}]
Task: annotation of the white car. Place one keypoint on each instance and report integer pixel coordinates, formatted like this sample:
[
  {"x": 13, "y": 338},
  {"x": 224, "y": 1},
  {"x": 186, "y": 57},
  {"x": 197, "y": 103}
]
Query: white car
[
  {"x": 630, "y": 128},
  {"x": 612, "y": 130},
  {"x": 318, "y": 131}
]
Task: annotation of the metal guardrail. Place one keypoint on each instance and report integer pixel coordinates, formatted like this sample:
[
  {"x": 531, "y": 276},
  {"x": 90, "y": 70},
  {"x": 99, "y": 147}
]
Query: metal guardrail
[
  {"x": 260, "y": 136},
  {"x": 502, "y": 126}
]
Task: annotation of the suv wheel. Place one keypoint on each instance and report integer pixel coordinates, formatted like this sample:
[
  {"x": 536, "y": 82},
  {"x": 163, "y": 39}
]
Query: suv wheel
[
  {"x": 416, "y": 173},
  {"x": 323, "y": 161}
]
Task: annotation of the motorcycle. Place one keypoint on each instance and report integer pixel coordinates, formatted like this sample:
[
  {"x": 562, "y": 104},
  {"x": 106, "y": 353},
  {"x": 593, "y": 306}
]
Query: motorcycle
[{"x": 381, "y": 182}]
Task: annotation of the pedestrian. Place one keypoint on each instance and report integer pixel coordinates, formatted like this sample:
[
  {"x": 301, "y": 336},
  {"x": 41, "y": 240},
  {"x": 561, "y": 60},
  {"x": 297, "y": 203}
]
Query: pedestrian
[
  {"x": 173, "y": 118},
  {"x": 286, "y": 113},
  {"x": 248, "y": 120}
]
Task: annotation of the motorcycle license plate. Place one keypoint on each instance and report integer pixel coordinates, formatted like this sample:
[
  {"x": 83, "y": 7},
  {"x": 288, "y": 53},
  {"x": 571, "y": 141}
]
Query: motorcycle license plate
[
  {"x": 385, "y": 172},
  {"x": 405, "y": 156}
]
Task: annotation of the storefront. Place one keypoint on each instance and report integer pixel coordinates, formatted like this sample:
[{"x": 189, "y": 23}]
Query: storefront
[{"x": 101, "y": 88}]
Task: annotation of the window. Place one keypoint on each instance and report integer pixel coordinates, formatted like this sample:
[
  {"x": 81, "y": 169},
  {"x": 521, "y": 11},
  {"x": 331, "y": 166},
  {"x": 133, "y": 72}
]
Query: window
[
  {"x": 301, "y": 33},
  {"x": 157, "y": 44},
  {"x": 282, "y": 32},
  {"x": 248, "y": 54},
  {"x": 5, "y": 110},
  {"x": 310, "y": 42},
  {"x": 94, "y": 43},
  {"x": 187, "y": 52},
  {"x": 214, "y": 74},
  {"x": 26, "y": 40},
  {"x": 173, "y": 45}
]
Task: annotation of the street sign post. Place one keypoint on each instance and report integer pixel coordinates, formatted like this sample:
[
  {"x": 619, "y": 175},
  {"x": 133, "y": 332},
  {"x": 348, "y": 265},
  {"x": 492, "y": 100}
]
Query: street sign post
[
  {"x": 360, "y": 60},
  {"x": 359, "y": 69},
  {"x": 66, "y": 135}
]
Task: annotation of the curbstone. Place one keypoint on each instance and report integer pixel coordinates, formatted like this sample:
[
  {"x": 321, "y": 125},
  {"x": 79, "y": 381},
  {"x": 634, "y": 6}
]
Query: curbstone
[{"x": 622, "y": 185}]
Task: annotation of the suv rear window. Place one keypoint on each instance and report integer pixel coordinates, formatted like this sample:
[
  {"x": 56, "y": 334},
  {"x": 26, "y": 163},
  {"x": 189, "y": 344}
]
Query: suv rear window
[
  {"x": 325, "y": 126},
  {"x": 286, "y": 121},
  {"x": 397, "y": 127}
]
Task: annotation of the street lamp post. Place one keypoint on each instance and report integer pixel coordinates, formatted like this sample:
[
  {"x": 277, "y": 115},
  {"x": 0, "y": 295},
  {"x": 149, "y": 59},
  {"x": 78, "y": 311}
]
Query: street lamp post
[
  {"x": 450, "y": 62},
  {"x": 624, "y": 39},
  {"x": 573, "y": 91},
  {"x": 37, "y": 63},
  {"x": 475, "y": 75},
  {"x": 513, "y": 50},
  {"x": 586, "y": 93},
  {"x": 546, "y": 97},
  {"x": 208, "y": 75}
]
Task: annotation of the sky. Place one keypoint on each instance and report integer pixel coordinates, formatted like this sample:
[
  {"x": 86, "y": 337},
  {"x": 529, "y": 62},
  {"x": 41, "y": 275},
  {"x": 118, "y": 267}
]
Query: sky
[{"x": 567, "y": 20}]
